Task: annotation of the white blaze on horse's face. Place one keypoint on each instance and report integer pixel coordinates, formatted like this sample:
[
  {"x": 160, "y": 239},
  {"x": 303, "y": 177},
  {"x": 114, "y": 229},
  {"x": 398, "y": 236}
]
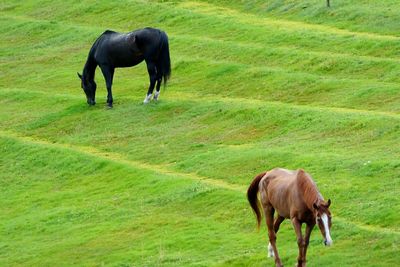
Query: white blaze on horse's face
[{"x": 323, "y": 223}]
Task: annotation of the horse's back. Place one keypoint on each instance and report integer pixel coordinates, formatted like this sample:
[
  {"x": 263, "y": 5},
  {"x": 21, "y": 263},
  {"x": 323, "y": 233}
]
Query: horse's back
[
  {"x": 127, "y": 49},
  {"x": 280, "y": 176},
  {"x": 117, "y": 50},
  {"x": 277, "y": 188}
]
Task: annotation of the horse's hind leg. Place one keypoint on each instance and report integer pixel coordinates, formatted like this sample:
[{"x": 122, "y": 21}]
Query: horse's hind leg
[
  {"x": 277, "y": 224},
  {"x": 269, "y": 216},
  {"x": 158, "y": 85},
  {"x": 151, "y": 68}
]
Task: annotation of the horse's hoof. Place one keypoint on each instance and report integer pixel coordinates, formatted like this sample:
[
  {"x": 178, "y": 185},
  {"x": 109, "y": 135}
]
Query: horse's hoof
[
  {"x": 147, "y": 99},
  {"x": 156, "y": 95}
]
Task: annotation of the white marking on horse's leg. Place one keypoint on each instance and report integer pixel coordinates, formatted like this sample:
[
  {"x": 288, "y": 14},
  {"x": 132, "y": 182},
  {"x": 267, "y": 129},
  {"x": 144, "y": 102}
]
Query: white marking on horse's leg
[
  {"x": 156, "y": 94},
  {"x": 147, "y": 99},
  {"x": 271, "y": 253},
  {"x": 328, "y": 239}
]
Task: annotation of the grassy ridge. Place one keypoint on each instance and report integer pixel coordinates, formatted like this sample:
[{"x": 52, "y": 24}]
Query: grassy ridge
[
  {"x": 71, "y": 219},
  {"x": 363, "y": 16},
  {"x": 255, "y": 85},
  {"x": 267, "y": 58},
  {"x": 112, "y": 213}
]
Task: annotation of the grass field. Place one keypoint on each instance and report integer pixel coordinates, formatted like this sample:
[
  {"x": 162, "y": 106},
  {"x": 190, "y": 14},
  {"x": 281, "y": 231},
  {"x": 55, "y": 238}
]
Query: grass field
[{"x": 255, "y": 85}]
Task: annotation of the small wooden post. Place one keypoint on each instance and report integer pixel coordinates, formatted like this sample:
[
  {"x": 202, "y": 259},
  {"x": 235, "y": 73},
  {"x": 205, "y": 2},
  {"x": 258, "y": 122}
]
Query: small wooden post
[{"x": 328, "y": 4}]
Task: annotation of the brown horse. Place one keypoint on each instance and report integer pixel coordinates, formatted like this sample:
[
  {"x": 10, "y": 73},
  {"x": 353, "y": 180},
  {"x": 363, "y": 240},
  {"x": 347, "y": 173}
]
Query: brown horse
[{"x": 293, "y": 195}]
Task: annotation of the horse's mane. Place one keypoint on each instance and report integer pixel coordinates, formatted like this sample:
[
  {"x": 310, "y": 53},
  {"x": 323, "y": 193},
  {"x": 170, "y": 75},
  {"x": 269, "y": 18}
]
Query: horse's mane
[
  {"x": 90, "y": 65},
  {"x": 308, "y": 189}
]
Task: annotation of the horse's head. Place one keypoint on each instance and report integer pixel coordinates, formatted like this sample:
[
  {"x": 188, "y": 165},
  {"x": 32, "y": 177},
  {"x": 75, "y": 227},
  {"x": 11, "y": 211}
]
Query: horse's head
[
  {"x": 89, "y": 87},
  {"x": 324, "y": 220}
]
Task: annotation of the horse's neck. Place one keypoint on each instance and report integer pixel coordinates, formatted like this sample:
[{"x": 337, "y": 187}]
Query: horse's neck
[
  {"x": 90, "y": 67},
  {"x": 309, "y": 190}
]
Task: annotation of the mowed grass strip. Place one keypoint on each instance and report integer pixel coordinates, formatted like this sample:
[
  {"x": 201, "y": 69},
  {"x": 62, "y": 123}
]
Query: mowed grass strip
[{"x": 379, "y": 17}]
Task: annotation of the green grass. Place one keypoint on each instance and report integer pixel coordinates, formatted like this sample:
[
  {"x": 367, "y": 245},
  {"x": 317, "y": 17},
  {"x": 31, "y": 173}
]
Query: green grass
[{"x": 255, "y": 85}]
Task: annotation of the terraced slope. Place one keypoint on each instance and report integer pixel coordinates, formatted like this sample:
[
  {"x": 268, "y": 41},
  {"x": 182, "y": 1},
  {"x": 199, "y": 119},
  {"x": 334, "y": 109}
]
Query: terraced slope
[{"x": 256, "y": 84}]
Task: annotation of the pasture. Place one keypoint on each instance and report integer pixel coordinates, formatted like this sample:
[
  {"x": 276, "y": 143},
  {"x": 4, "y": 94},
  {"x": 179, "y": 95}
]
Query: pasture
[{"x": 254, "y": 85}]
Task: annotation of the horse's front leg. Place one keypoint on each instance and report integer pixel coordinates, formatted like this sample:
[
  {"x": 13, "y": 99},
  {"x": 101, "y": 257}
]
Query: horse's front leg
[
  {"x": 300, "y": 242},
  {"x": 309, "y": 228},
  {"x": 151, "y": 68},
  {"x": 269, "y": 216},
  {"x": 108, "y": 73}
]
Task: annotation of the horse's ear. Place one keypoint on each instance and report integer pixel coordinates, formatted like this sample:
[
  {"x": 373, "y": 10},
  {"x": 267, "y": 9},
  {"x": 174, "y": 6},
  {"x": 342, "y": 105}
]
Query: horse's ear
[
  {"x": 328, "y": 203},
  {"x": 80, "y": 76},
  {"x": 315, "y": 206}
]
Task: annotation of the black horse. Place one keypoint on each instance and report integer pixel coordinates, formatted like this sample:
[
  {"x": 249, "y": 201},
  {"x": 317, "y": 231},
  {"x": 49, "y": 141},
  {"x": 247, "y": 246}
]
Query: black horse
[{"x": 116, "y": 50}]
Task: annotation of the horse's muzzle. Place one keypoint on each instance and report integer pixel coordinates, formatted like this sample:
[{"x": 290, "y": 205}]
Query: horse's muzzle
[
  {"x": 91, "y": 102},
  {"x": 327, "y": 243}
]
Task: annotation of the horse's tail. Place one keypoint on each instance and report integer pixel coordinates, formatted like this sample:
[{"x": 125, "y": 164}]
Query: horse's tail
[
  {"x": 252, "y": 193},
  {"x": 164, "y": 61}
]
